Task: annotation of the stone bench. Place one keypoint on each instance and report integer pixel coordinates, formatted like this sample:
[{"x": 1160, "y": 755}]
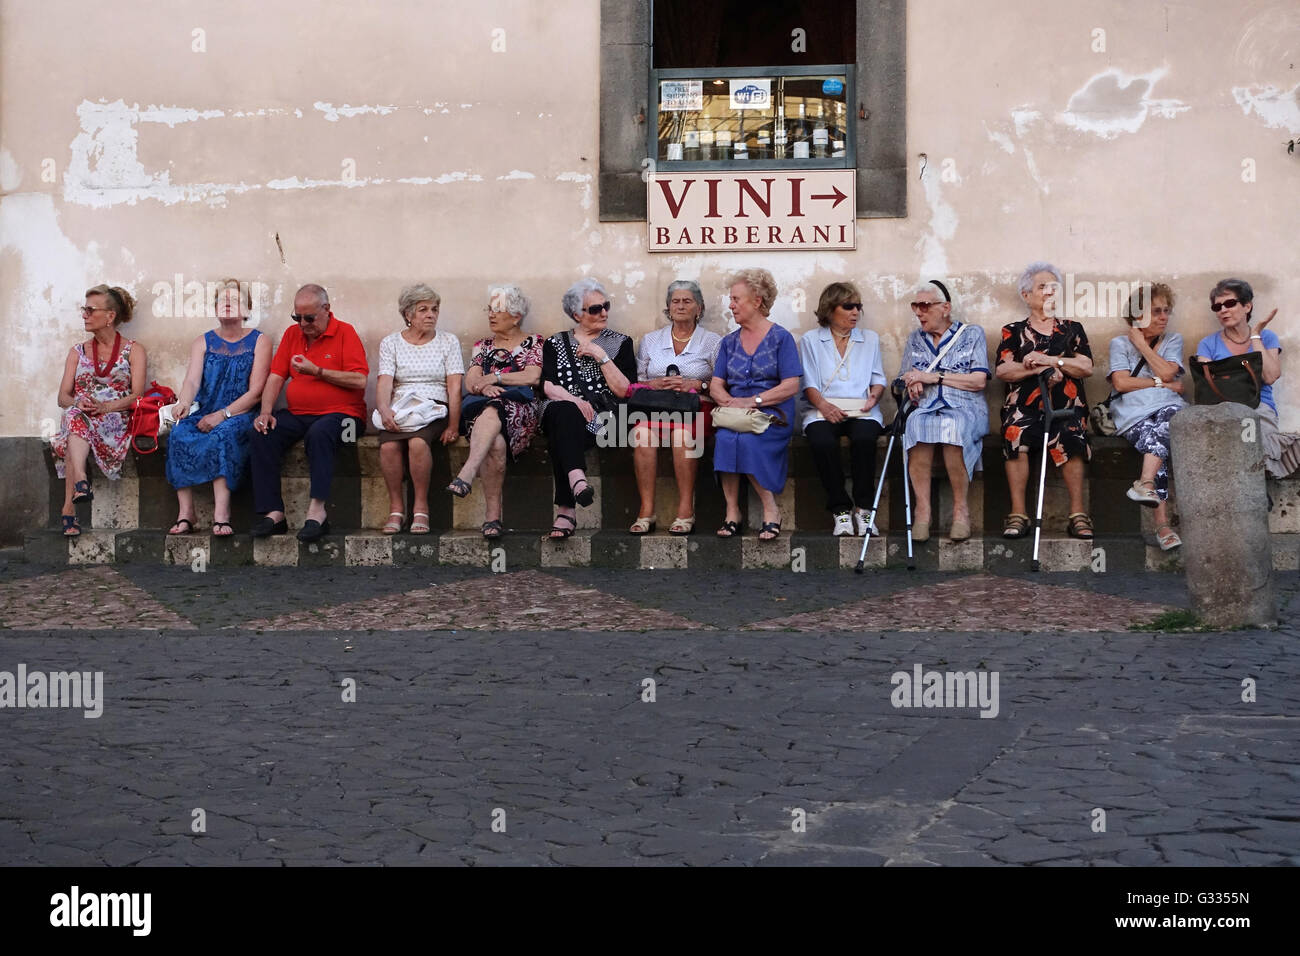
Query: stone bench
[{"x": 128, "y": 518}]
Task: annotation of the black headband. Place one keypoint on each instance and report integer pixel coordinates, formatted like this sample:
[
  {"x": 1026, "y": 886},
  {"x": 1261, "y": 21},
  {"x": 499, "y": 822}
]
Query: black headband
[{"x": 942, "y": 288}]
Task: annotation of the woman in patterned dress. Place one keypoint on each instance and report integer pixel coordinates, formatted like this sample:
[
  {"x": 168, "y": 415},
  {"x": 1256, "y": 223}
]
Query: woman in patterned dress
[
  {"x": 585, "y": 371},
  {"x": 418, "y": 362},
  {"x": 689, "y": 350},
  {"x": 228, "y": 368},
  {"x": 499, "y": 426},
  {"x": 102, "y": 378},
  {"x": 757, "y": 367},
  {"x": 950, "y": 410},
  {"x": 1036, "y": 343}
]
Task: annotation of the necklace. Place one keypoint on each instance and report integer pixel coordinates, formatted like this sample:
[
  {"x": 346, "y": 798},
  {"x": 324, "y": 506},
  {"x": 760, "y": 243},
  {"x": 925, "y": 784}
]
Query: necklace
[
  {"x": 682, "y": 341},
  {"x": 846, "y": 335},
  {"x": 1234, "y": 341},
  {"x": 112, "y": 358}
]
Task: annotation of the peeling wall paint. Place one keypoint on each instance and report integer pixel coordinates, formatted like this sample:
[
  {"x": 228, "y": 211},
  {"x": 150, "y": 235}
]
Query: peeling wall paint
[{"x": 473, "y": 168}]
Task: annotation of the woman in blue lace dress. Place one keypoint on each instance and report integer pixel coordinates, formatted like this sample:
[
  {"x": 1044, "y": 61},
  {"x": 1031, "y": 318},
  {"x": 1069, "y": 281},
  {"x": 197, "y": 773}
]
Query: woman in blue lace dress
[{"x": 228, "y": 368}]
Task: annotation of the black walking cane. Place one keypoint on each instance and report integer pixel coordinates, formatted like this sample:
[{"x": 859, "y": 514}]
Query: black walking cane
[
  {"x": 1049, "y": 415},
  {"x": 905, "y": 408}
]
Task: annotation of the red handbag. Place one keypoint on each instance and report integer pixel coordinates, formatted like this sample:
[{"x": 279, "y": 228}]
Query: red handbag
[{"x": 144, "y": 417}]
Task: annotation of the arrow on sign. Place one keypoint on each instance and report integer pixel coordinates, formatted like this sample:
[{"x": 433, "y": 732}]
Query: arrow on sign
[{"x": 838, "y": 196}]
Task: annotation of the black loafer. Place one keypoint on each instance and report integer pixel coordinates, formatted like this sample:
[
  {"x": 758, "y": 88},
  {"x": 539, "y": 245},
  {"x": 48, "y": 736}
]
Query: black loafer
[
  {"x": 265, "y": 527},
  {"x": 311, "y": 530}
]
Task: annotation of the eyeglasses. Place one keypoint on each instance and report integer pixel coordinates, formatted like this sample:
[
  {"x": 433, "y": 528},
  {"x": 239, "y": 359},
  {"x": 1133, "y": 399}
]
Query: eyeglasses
[
  {"x": 924, "y": 306},
  {"x": 87, "y": 311},
  {"x": 1160, "y": 311},
  {"x": 852, "y": 306},
  {"x": 1225, "y": 304},
  {"x": 597, "y": 309}
]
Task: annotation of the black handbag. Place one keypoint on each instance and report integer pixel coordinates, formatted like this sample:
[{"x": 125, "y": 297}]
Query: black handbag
[
  {"x": 514, "y": 393},
  {"x": 651, "y": 400},
  {"x": 1237, "y": 378}
]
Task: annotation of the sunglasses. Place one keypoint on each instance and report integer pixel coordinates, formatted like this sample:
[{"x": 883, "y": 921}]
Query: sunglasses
[
  {"x": 87, "y": 311},
  {"x": 852, "y": 306},
  {"x": 303, "y": 318},
  {"x": 924, "y": 306},
  {"x": 1225, "y": 304},
  {"x": 597, "y": 309}
]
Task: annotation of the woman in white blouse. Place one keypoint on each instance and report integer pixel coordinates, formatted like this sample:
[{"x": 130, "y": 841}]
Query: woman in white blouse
[
  {"x": 678, "y": 357},
  {"x": 843, "y": 380},
  {"x": 417, "y": 401}
]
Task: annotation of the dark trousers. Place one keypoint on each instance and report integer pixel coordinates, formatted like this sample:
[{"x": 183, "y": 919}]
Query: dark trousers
[
  {"x": 568, "y": 440},
  {"x": 321, "y": 436},
  {"x": 824, "y": 439}
]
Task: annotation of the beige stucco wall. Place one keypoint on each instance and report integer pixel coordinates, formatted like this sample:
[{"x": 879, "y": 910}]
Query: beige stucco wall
[{"x": 473, "y": 166}]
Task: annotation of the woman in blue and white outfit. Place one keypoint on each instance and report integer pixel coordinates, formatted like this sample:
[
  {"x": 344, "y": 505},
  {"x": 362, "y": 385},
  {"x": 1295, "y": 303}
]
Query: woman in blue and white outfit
[
  {"x": 843, "y": 381},
  {"x": 1146, "y": 369},
  {"x": 950, "y": 409},
  {"x": 1232, "y": 302}
]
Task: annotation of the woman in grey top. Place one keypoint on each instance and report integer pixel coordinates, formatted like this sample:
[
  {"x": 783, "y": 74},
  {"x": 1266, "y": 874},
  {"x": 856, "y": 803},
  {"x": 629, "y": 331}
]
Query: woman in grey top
[{"x": 1146, "y": 371}]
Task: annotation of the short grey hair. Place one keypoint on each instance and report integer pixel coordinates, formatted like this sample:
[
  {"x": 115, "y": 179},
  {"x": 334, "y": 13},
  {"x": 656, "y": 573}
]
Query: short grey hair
[
  {"x": 508, "y": 297},
  {"x": 318, "y": 291},
  {"x": 571, "y": 302},
  {"x": 413, "y": 295},
  {"x": 690, "y": 286},
  {"x": 1031, "y": 270}
]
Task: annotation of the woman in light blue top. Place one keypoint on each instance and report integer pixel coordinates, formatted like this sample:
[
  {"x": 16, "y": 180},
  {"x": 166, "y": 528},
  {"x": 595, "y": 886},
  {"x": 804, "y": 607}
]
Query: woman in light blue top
[
  {"x": 843, "y": 381},
  {"x": 945, "y": 368},
  {"x": 1232, "y": 300},
  {"x": 1146, "y": 373}
]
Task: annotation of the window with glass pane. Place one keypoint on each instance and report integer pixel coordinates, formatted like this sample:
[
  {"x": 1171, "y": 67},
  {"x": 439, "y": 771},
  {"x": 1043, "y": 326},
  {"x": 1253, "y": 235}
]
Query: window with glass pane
[{"x": 750, "y": 82}]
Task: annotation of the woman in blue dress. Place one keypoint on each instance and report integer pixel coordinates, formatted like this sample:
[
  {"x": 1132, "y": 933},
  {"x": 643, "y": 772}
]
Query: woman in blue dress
[
  {"x": 228, "y": 367},
  {"x": 757, "y": 367},
  {"x": 950, "y": 410}
]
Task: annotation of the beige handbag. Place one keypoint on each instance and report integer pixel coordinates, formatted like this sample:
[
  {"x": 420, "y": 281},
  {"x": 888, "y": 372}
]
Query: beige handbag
[
  {"x": 747, "y": 420},
  {"x": 851, "y": 407}
]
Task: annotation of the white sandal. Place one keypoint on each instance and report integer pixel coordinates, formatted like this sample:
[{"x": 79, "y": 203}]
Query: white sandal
[{"x": 391, "y": 526}]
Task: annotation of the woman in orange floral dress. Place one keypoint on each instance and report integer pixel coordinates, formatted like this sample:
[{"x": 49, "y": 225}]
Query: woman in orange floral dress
[{"x": 1037, "y": 343}]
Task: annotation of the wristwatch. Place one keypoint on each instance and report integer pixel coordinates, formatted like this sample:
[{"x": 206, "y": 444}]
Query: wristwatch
[
  {"x": 227, "y": 411},
  {"x": 1060, "y": 363},
  {"x": 1156, "y": 379},
  {"x": 498, "y": 375},
  {"x": 758, "y": 400},
  {"x": 605, "y": 359}
]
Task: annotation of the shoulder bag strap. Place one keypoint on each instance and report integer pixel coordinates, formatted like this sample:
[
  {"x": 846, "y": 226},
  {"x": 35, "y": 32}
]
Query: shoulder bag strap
[{"x": 839, "y": 365}]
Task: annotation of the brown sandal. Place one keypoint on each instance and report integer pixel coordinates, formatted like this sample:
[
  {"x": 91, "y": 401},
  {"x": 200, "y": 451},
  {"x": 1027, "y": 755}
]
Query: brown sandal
[
  {"x": 1079, "y": 525},
  {"x": 1015, "y": 525}
]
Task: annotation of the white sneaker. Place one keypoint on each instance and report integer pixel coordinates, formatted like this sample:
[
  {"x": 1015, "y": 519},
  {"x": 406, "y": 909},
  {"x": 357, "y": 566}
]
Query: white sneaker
[
  {"x": 860, "y": 516},
  {"x": 843, "y": 525}
]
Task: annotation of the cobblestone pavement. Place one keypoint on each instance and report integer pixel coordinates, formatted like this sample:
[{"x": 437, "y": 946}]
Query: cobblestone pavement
[{"x": 522, "y": 700}]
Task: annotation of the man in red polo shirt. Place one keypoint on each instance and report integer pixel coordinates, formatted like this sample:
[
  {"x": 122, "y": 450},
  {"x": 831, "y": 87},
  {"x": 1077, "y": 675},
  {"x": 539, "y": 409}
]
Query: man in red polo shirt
[{"x": 325, "y": 364}]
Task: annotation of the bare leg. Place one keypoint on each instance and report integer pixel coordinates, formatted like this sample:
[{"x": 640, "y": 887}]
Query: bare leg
[
  {"x": 481, "y": 438},
  {"x": 645, "y": 461},
  {"x": 391, "y": 464},
  {"x": 493, "y": 474},
  {"x": 184, "y": 508},
  {"x": 685, "y": 469},
  {"x": 1072, "y": 472},
  {"x": 220, "y": 500},
  {"x": 919, "y": 460},
  {"x": 731, "y": 492},
  {"x": 421, "y": 458},
  {"x": 955, "y": 462},
  {"x": 74, "y": 469},
  {"x": 1017, "y": 478},
  {"x": 771, "y": 513}
]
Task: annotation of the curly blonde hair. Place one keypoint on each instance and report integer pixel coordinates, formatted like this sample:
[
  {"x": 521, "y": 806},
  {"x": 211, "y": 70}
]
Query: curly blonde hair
[{"x": 759, "y": 282}]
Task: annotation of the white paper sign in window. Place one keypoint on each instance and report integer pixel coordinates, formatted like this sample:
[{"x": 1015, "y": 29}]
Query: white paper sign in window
[
  {"x": 681, "y": 95},
  {"x": 751, "y": 94}
]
